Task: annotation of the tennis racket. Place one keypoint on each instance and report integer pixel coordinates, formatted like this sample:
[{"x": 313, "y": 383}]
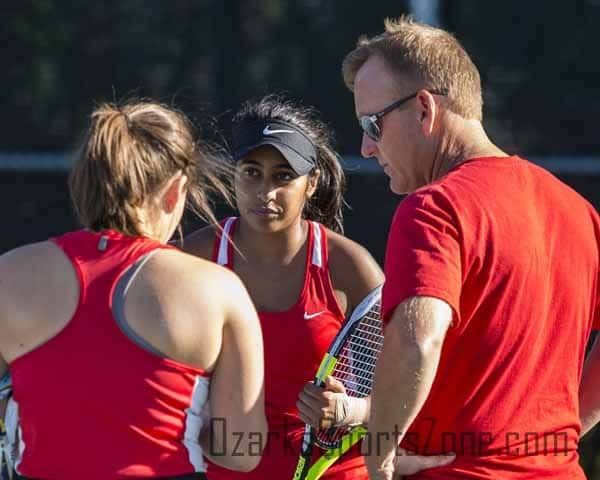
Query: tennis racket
[
  {"x": 6, "y": 467},
  {"x": 5, "y": 464},
  {"x": 351, "y": 360}
]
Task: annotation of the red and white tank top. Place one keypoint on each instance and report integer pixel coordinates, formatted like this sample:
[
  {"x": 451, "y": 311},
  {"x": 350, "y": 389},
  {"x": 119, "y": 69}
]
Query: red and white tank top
[
  {"x": 94, "y": 401},
  {"x": 295, "y": 341}
]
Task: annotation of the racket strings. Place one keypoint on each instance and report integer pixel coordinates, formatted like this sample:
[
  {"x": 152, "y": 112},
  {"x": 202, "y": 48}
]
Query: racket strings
[{"x": 355, "y": 366}]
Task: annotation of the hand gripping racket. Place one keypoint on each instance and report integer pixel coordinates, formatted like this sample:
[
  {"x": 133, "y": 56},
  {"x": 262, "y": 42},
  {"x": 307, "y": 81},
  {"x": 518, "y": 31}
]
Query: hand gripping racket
[{"x": 351, "y": 360}]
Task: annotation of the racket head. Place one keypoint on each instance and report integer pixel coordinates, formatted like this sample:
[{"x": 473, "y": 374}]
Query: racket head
[{"x": 351, "y": 359}]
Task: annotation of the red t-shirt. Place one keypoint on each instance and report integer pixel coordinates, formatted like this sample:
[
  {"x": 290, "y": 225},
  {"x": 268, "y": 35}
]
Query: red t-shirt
[{"x": 514, "y": 252}]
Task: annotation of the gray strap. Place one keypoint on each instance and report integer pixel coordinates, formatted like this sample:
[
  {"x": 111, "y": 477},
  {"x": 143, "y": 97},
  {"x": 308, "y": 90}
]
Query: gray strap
[{"x": 118, "y": 305}]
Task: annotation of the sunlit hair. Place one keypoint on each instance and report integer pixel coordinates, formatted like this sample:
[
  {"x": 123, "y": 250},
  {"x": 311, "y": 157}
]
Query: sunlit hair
[
  {"x": 129, "y": 152},
  {"x": 326, "y": 204},
  {"x": 426, "y": 57}
]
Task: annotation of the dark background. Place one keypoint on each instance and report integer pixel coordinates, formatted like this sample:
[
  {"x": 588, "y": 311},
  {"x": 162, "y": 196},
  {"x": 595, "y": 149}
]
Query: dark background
[{"x": 538, "y": 62}]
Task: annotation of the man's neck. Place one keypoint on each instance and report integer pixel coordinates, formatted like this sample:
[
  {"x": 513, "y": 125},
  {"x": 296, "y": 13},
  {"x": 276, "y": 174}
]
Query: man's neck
[{"x": 464, "y": 140}]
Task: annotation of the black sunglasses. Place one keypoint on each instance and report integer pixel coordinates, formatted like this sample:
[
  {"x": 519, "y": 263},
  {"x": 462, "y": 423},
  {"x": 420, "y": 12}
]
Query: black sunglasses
[{"x": 370, "y": 123}]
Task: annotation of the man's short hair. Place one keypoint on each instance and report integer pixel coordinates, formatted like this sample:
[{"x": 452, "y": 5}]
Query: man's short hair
[{"x": 429, "y": 57}]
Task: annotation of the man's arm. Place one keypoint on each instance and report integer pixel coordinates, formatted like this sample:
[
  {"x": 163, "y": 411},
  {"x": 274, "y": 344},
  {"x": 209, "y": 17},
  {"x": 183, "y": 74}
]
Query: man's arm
[
  {"x": 405, "y": 371},
  {"x": 589, "y": 390}
]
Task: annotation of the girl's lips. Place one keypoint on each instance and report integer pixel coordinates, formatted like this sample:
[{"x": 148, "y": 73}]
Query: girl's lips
[{"x": 264, "y": 212}]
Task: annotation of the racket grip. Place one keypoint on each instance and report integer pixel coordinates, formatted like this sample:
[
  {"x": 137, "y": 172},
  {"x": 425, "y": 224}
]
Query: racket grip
[
  {"x": 299, "y": 474},
  {"x": 331, "y": 456}
]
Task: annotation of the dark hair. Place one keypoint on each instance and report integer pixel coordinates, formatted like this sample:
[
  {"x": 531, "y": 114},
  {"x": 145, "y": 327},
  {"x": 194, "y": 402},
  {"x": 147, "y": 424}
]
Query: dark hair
[
  {"x": 326, "y": 205},
  {"x": 128, "y": 154}
]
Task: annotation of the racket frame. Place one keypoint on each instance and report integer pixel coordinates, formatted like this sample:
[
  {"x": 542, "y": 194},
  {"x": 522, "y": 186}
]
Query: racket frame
[{"x": 313, "y": 472}]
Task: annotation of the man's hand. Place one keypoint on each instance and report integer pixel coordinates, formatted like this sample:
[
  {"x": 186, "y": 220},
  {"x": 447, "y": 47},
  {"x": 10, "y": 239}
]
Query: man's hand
[
  {"x": 394, "y": 467},
  {"x": 589, "y": 390}
]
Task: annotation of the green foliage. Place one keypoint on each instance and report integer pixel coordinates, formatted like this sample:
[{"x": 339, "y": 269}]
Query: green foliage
[
  {"x": 538, "y": 62},
  {"x": 205, "y": 55}
]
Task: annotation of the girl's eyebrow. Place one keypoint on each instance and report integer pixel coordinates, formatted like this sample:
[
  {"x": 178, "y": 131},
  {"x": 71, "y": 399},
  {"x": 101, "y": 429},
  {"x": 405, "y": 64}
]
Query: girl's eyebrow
[
  {"x": 249, "y": 160},
  {"x": 282, "y": 164}
]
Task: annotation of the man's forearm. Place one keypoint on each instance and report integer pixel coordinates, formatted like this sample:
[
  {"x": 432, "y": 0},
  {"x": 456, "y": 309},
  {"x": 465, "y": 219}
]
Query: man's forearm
[
  {"x": 589, "y": 391},
  {"x": 405, "y": 371}
]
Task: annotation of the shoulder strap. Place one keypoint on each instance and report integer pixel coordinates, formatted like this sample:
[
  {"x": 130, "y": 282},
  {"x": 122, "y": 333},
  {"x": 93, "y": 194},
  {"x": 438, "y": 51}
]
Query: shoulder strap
[
  {"x": 223, "y": 254},
  {"x": 321, "y": 278},
  {"x": 319, "y": 245}
]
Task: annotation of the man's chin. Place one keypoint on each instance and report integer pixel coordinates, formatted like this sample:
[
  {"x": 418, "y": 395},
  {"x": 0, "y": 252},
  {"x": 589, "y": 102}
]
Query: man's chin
[{"x": 398, "y": 188}]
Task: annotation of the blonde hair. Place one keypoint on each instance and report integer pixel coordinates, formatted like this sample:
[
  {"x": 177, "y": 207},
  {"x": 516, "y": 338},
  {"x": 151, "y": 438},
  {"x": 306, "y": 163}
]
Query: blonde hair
[
  {"x": 129, "y": 152},
  {"x": 429, "y": 57}
]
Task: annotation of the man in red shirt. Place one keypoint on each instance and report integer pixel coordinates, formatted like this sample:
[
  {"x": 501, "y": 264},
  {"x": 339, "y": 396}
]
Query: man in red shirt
[{"x": 491, "y": 268}]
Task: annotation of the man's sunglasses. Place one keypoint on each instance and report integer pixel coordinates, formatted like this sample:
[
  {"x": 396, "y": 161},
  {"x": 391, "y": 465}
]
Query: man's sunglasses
[{"x": 370, "y": 123}]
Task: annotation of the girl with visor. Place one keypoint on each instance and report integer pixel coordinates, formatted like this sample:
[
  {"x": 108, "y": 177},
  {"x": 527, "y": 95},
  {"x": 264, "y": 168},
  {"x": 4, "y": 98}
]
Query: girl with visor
[{"x": 304, "y": 276}]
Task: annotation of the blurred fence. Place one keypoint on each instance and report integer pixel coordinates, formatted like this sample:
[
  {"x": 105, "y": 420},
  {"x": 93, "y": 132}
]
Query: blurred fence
[
  {"x": 35, "y": 205},
  {"x": 35, "y": 200}
]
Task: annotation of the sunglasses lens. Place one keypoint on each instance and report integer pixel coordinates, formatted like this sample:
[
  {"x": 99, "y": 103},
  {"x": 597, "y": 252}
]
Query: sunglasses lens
[{"x": 370, "y": 127}]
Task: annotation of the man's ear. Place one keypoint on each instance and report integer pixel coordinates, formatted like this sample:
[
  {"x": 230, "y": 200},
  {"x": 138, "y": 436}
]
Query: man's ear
[
  {"x": 174, "y": 191},
  {"x": 427, "y": 111}
]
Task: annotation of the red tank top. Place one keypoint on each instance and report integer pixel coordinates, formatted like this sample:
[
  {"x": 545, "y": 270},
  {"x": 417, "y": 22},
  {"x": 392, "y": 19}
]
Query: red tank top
[
  {"x": 295, "y": 341},
  {"x": 94, "y": 404}
]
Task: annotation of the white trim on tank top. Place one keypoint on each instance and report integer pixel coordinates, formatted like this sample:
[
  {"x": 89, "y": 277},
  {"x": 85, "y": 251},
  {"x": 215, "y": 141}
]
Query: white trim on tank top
[
  {"x": 223, "y": 253},
  {"x": 197, "y": 417},
  {"x": 223, "y": 256}
]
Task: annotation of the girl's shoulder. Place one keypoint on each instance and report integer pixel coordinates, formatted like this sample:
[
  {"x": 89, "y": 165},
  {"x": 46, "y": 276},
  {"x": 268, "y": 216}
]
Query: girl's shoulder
[
  {"x": 201, "y": 242},
  {"x": 352, "y": 268}
]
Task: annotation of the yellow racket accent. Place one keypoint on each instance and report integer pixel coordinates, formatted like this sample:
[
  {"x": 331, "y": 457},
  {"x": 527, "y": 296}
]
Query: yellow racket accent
[
  {"x": 299, "y": 468},
  {"x": 330, "y": 456},
  {"x": 351, "y": 359},
  {"x": 326, "y": 367}
]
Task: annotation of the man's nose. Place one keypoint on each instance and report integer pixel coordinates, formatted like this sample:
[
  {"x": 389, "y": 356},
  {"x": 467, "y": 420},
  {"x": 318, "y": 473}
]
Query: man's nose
[{"x": 368, "y": 146}]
